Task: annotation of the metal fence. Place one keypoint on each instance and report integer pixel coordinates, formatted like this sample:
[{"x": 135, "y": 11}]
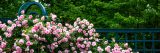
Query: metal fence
[{"x": 143, "y": 40}]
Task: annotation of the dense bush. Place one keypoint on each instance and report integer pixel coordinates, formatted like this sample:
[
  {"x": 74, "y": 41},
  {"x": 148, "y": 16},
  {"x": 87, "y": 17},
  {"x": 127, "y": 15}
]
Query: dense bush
[{"x": 43, "y": 35}]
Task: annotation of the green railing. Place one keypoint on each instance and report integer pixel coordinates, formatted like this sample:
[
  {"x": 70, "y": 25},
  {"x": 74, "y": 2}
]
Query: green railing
[{"x": 146, "y": 38}]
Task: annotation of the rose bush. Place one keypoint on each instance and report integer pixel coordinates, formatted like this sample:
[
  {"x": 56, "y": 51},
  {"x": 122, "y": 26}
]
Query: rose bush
[{"x": 34, "y": 35}]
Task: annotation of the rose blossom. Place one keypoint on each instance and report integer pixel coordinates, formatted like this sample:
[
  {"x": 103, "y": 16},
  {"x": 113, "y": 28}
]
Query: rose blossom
[
  {"x": 9, "y": 29},
  {"x": 89, "y": 51},
  {"x": 35, "y": 36},
  {"x": 78, "y": 19},
  {"x": 78, "y": 45},
  {"x": 93, "y": 43},
  {"x": 7, "y": 34},
  {"x": 82, "y": 46},
  {"x": 66, "y": 24},
  {"x": 73, "y": 48},
  {"x": 53, "y": 16},
  {"x": 9, "y": 22},
  {"x": 19, "y": 25},
  {"x": 74, "y": 51},
  {"x": 31, "y": 50},
  {"x": 66, "y": 51},
  {"x": 65, "y": 40},
  {"x": 106, "y": 42},
  {"x": 28, "y": 43},
  {"x": 18, "y": 49},
  {"x": 59, "y": 24},
  {"x": 24, "y": 22},
  {"x": 47, "y": 31},
  {"x": 79, "y": 30},
  {"x": 20, "y": 17},
  {"x": 82, "y": 26},
  {"x": 27, "y": 49},
  {"x": 30, "y": 16},
  {"x": 35, "y": 20},
  {"x": 21, "y": 41},
  {"x": 3, "y": 45},
  {"x": 42, "y": 18},
  {"x": 27, "y": 37},
  {"x": 3, "y": 26},
  {"x": 23, "y": 11},
  {"x": 100, "y": 50},
  {"x": 13, "y": 25},
  {"x": 126, "y": 45},
  {"x": 75, "y": 24},
  {"x": 0, "y": 38},
  {"x": 14, "y": 52},
  {"x": 1, "y": 50},
  {"x": 60, "y": 51},
  {"x": 107, "y": 49},
  {"x": 80, "y": 39}
]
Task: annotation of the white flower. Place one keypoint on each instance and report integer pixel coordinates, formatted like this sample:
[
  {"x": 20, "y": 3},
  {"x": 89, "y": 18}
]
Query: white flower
[{"x": 89, "y": 51}]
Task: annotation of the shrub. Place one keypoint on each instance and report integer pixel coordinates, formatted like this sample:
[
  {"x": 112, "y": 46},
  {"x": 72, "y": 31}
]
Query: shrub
[{"x": 29, "y": 34}]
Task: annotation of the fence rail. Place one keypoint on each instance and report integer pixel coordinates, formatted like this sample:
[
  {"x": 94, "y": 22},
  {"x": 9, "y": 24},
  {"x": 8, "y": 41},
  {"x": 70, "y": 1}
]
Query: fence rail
[{"x": 147, "y": 38}]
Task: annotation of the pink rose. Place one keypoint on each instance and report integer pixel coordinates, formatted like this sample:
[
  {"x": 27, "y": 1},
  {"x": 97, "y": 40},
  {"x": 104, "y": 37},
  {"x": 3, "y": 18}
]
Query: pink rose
[
  {"x": 80, "y": 39},
  {"x": 35, "y": 20},
  {"x": 67, "y": 24},
  {"x": 60, "y": 51},
  {"x": 59, "y": 24},
  {"x": 82, "y": 46},
  {"x": 7, "y": 34},
  {"x": 48, "y": 24},
  {"x": 24, "y": 22},
  {"x": 42, "y": 18},
  {"x": 20, "y": 17},
  {"x": 1, "y": 50},
  {"x": 23, "y": 11},
  {"x": 9, "y": 29},
  {"x": 30, "y": 16},
  {"x": 73, "y": 48},
  {"x": 87, "y": 23},
  {"x": 93, "y": 43},
  {"x": 3, "y": 45},
  {"x": 78, "y": 45},
  {"x": 66, "y": 51},
  {"x": 13, "y": 25},
  {"x": 28, "y": 43},
  {"x": 27, "y": 37},
  {"x": 0, "y": 38},
  {"x": 88, "y": 45},
  {"x": 31, "y": 50},
  {"x": 53, "y": 16},
  {"x": 78, "y": 19},
  {"x": 18, "y": 49},
  {"x": 79, "y": 30},
  {"x": 107, "y": 49},
  {"x": 99, "y": 49},
  {"x": 9, "y": 22},
  {"x": 126, "y": 45},
  {"x": 21, "y": 41},
  {"x": 47, "y": 31},
  {"x": 75, "y": 52},
  {"x": 65, "y": 40}
]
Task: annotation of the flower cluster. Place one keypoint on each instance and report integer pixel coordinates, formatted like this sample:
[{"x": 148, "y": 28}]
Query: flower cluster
[{"x": 33, "y": 35}]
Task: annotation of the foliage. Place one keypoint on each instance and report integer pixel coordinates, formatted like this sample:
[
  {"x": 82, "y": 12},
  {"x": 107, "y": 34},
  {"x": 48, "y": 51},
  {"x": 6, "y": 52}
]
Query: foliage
[{"x": 102, "y": 13}]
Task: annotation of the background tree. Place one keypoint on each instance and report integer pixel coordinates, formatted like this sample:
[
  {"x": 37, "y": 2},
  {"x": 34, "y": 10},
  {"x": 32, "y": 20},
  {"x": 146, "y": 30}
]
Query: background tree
[{"x": 103, "y": 13}]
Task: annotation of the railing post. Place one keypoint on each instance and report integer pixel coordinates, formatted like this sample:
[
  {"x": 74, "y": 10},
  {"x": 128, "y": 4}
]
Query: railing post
[{"x": 27, "y": 5}]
